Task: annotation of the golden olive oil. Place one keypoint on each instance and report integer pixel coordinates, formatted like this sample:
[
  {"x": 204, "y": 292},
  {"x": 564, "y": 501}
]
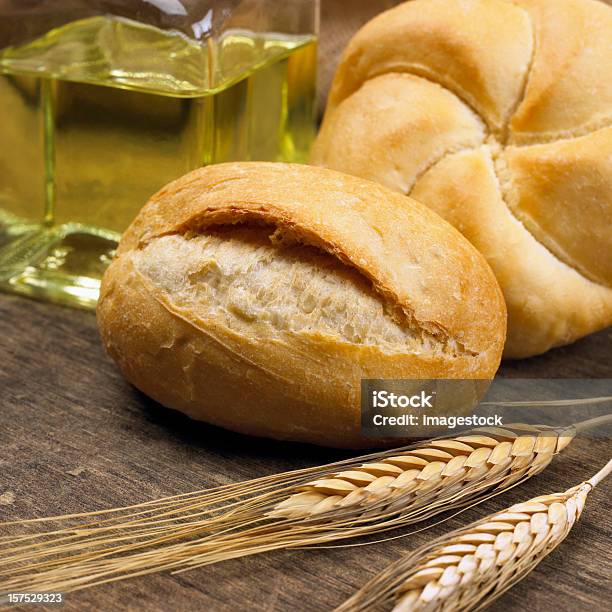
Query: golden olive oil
[{"x": 99, "y": 114}]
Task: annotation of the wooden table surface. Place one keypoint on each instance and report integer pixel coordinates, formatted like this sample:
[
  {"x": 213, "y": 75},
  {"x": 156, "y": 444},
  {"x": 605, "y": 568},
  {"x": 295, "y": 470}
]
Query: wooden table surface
[{"x": 74, "y": 436}]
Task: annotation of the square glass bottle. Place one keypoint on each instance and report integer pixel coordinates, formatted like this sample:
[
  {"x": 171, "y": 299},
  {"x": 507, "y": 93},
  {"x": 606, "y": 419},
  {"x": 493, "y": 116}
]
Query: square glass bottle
[{"x": 104, "y": 102}]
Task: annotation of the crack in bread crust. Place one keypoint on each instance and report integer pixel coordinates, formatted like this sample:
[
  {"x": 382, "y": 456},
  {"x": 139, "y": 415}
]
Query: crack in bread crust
[
  {"x": 265, "y": 285},
  {"x": 261, "y": 214},
  {"x": 500, "y": 169},
  {"x": 505, "y": 133}
]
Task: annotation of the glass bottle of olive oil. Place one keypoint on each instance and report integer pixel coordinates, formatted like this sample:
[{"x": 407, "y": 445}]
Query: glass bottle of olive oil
[{"x": 101, "y": 112}]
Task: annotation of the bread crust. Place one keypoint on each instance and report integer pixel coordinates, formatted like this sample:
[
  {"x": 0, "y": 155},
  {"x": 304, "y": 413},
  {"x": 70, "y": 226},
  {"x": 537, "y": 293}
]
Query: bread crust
[
  {"x": 299, "y": 386},
  {"x": 535, "y": 74}
]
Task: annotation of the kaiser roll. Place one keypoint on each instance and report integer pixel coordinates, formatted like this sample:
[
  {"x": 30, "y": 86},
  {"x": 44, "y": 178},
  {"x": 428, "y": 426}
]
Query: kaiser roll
[
  {"x": 256, "y": 296},
  {"x": 497, "y": 115}
]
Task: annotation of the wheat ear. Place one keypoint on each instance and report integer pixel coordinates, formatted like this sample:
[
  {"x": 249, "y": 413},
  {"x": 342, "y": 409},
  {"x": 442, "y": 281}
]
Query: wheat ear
[
  {"x": 471, "y": 567},
  {"x": 346, "y": 499}
]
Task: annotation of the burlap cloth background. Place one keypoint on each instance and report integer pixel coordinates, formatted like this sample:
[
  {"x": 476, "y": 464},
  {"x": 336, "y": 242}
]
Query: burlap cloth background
[{"x": 340, "y": 19}]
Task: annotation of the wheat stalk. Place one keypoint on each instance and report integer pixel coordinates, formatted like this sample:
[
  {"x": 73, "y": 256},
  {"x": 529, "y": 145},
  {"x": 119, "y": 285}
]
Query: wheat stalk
[
  {"x": 345, "y": 499},
  {"x": 471, "y": 567},
  {"x": 443, "y": 466}
]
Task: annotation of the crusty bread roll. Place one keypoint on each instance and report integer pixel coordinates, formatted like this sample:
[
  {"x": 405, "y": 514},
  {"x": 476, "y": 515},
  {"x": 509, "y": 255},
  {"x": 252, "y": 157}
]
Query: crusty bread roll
[
  {"x": 256, "y": 296},
  {"x": 497, "y": 114}
]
